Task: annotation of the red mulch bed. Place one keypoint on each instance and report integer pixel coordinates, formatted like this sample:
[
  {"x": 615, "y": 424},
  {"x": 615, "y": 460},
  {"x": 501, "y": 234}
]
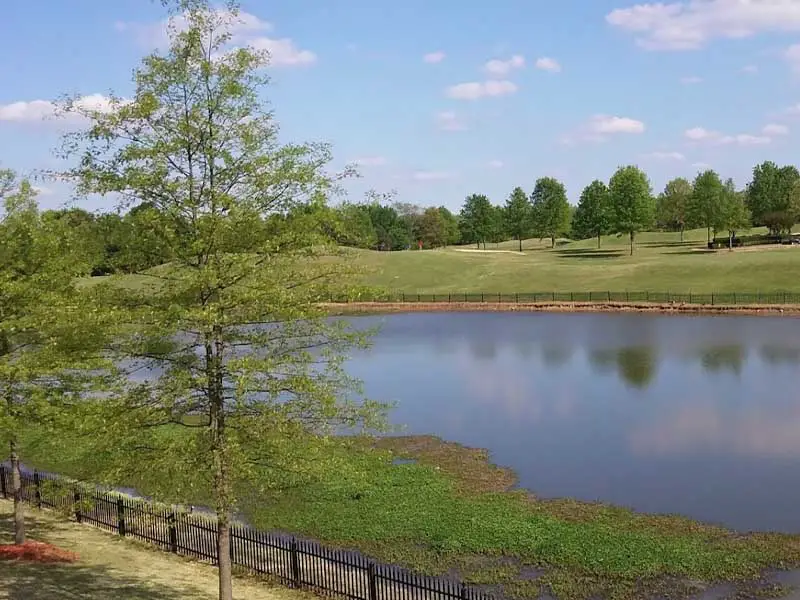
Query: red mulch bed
[{"x": 37, "y": 552}]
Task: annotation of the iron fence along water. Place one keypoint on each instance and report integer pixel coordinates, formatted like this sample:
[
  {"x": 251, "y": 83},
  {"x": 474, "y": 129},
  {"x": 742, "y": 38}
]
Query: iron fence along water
[
  {"x": 294, "y": 562},
  {"x": 707, "y": 298}
]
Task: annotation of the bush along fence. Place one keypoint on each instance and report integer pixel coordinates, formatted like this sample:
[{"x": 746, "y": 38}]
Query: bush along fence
[
  {"x": 293, "y": 562},
  {"x": 712, "y": 298}
]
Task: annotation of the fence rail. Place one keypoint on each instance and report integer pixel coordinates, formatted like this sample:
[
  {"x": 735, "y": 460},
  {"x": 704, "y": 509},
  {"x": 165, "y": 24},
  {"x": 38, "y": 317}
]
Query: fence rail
[
  {"x": 294, "y": 562},
  {"x": 710, "y": 298}
]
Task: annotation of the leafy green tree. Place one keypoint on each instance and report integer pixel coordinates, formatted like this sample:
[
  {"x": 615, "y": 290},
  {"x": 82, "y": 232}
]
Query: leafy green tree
[
  {"x": 518, "y": 213},
  {"x": 733, "y": 215},
  {"x": 432, "y": 228},
  {"x": 43, "y": 345},
  {"x": 631, "y": 201},
  {"x": 477, "y": 220},
  {"x": 593, "y": 213},
  {"x": 452, "y": 231},
  {"x": 773, "y": 197},
  {"x": 706, "y": 202},
  {"x": 248, "y": 382},
  {"x": 390, "y": 231},
  {"x": 550, "y": 208},
  {"x": 672, "y": 205}
]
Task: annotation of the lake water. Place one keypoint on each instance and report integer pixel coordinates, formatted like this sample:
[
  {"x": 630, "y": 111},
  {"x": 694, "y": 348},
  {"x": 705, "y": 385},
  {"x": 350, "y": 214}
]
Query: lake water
[{"x": 692, "y": 415}]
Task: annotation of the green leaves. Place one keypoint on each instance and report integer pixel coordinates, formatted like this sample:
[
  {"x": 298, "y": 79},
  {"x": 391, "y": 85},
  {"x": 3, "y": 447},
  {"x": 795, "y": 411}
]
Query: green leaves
[
  {"x": 632, "y": 205},
  {"x": 550, "y": 208},
  {"x": 593, "y": 214},
  {"x": 240, "y": 372}
]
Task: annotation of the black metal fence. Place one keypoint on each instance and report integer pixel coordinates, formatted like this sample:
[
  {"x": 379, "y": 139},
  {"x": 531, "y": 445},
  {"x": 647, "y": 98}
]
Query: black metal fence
[
  {"x": 294, "y": 562},
  {"x": 710, "y": 298}
]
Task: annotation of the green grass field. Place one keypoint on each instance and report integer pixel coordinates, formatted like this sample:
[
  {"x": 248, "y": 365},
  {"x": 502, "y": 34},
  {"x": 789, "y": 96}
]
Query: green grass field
[{"x": 661, "y": 263}]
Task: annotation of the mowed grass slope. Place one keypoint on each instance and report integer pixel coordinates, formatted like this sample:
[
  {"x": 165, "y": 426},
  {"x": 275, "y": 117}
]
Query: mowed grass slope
[{"x": 661, "y": 263}]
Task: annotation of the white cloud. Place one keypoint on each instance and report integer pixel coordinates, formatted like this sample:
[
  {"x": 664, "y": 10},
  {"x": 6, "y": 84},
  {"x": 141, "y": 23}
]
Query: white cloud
[
  {"x": 700, "y": 134},
  {"x": 666, "y": 156},
  {"x": 691, "y": 79},
  {"x": 691, "y": 24},
  {"x": 34, "y": 111},
  {"x": 548, "y": 64},
  {"x": 449, "y": 121},
  {"x": 434, "y": 57},
  {"x": 605, "y": 124},
  {"x": 42, "y": 190},
  {"x": 501, "y": 68},
  {"x": 495, "y": 164},
  {"x": 701, "y": 165},
  {"x": 792, "y": 56},
  {"x": 370, "y": 161},
  {"x": 431, "y": 175},
  {"x": 750, "y": 69},
  {"x": 774, "y": 129},
  {"x": 245, "y": 29},
  {"x": 481, "y": 89},
  {"x": 600, "y": 127},
  {"x": 283, "y": 52}
]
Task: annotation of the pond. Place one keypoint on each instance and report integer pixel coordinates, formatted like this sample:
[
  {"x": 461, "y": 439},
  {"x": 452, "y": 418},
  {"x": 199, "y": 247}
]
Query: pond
[{"x": 697, "y": 415}]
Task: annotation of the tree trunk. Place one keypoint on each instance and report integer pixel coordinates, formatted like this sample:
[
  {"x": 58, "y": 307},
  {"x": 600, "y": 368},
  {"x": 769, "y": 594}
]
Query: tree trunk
[
  {"x": 708, "y": 233},
  {"x": 632, "y": 234},
  {"x": 520, "y": 244},
  {"x": 730, "y": 241},
  {"x": 598, "y": 239},
  {"x": 16, "y": 490},
  {"x": 479, "y": 245},
  {"x": 681, "y": 234},
  {"x": 553, "y": 241},
  {"x": 216, "y": 398}
]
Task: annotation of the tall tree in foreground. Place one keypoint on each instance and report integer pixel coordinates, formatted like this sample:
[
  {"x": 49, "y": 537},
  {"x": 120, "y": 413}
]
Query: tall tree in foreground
[
  {"x": 42, "y": 344},
  {"x": 247, "y": 383},
  {"x": 631, "y": 201},
  {"x": 517, "y": 213},
  {"x": 592, "y": 216},
  {"x": 672, "y": 205},
  {"x": 550, "y": 208},
  {"x": 705, "y": 203}
]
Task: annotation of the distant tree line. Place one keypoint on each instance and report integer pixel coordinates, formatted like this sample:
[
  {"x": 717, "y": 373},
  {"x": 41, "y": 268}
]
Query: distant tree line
[{"x": 145, "y": 236}]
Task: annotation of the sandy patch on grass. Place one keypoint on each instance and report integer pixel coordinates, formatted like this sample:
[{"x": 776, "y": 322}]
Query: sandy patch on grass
[
  {"x": 112, "y": 567},
  {"x": 488, "y": 251}
]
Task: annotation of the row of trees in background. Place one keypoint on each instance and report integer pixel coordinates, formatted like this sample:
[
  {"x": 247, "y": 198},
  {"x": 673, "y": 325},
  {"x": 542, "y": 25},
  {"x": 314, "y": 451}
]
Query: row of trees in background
[{"x": 139, "y": 239}]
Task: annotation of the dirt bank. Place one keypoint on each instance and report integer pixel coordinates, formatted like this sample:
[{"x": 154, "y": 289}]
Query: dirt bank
[{"x": 649, "y": 307}]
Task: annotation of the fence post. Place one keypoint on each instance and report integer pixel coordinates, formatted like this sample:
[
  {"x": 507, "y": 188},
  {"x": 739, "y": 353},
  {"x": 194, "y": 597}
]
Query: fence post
[
  {"x": 784, "y": 297},
  {"x": 572, "y": 297},
  {"x": 76, "y": 497},
  {"x": 464, "y": 594},
  {"x": 448, "y": 299},
  {"x": 373, "y": 581},
  {"x": 402, "y": 297},
  {"x": 516, "y": 298},
  {"x": 295, "y": 564},
  {"x": 647, "y": 296},
  {"x": 38, "y": 490},
  {"x": 121, "y": 517},
  {"x": 434, "y": 298},
  {"x": 3, "y": 487},
  {"x": 609, "y": 295},
  {"x": 712, "y": 298},
  {"x": 499, "y": 300},
  {"x": 690, "y": 296},
  {"x": 417, "y": 297},
  {"x": 734, "y": 297},
  {"x": 173, "y": 533},
  {"x": 554, "y": 297},
  {"x": 481, "y": 296}
]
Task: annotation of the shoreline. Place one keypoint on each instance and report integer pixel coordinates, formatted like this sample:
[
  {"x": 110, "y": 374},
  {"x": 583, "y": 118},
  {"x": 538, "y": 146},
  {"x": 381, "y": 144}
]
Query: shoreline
[{"x": 665, "y": 308}]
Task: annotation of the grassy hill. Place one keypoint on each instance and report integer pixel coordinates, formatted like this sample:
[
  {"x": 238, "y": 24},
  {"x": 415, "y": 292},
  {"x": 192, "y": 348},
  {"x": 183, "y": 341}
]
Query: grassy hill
[{"x": 661, "y": 262}]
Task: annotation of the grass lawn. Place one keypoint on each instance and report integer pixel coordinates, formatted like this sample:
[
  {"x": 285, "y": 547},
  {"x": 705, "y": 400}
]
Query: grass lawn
[
  {"x": 661, "y": 263},
  {"x": 452, "y": 512},
  {"x": 111, "y": 567}
]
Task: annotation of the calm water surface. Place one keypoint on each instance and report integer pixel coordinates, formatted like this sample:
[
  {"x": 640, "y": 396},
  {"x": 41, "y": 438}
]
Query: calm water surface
[{"x": 692, "y": 415}]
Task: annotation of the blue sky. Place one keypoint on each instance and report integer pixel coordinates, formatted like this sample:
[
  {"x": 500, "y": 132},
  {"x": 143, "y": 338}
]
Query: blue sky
[{"x": 440, "y": 99}]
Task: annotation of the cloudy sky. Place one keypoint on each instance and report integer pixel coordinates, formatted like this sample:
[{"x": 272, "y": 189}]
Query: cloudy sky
[{"x": 438, "y": 99}]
